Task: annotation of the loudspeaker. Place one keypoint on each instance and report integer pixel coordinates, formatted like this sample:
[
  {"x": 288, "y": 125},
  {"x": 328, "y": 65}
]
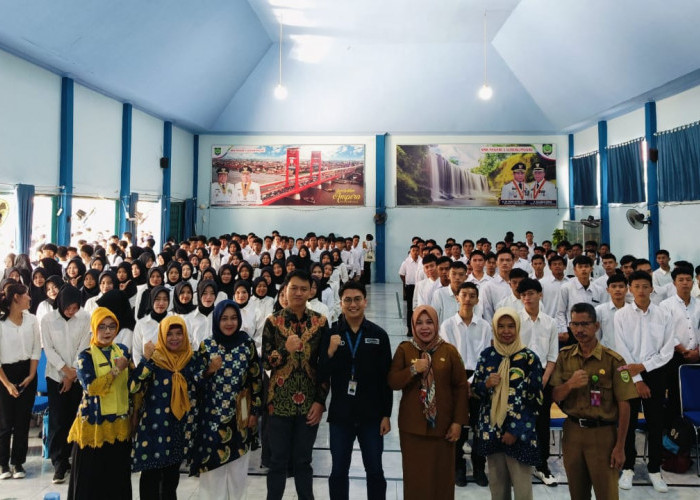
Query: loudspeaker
[
  {"x": 164, "y": 162},
  {"x": 653, "y": 155}
]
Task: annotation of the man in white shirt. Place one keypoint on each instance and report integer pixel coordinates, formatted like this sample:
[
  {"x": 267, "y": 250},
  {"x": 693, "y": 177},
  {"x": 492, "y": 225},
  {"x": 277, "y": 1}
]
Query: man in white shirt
[
  {"x": 477, "y": 261},
  {"x": 425, "y": 288},
  {"x": 515, "y": 276},
  {"x": 358, "y": 256},
  {"x": 658, "y": 294},
  {"x": 521, "y": 258},
  {"x": 600, "y": 284},
  {"x": 578, "y": 289},
  {"x": 644, "y": 338},
  {"x": 215, "y": 253},
  {"x": 605, "y": 312},
  {"x": 498, "y": 288},
  {"x": 253, "y": 256},
  {"x": 662, "y": 276},
  {"x": 538, "y": 267},
  {"x": 470, "y": 334},
  {"x": 407, "y": 273},
  {"x": 539, "y": 333},
  {"x": 684, "y": 311},
  {"x": 445, "y": 299},
  {"x": 530, "y": 243},
  {"x": 551, "y": 285}
]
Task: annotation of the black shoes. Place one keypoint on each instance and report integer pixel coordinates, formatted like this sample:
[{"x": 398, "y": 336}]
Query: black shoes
[
  {"x": 481, "y": 479},
  {"x": 461, "y": 478}
]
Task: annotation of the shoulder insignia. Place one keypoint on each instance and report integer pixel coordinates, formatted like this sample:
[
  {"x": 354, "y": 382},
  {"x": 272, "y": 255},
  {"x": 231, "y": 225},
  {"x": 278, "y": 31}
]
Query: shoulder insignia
[{"x": 625, "y": 376}]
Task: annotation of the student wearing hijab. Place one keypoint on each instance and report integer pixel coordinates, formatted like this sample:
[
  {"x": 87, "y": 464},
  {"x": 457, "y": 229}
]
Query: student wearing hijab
[
  {"x": 201, "y": 321},
  {"x": 91, "y": 286},
  {"x": 262, "y": 302},
  {"x": 163, "y": 387},
  {"x": 98, "y": 263},
  {"x": 326, "y": 293},
  {"x": 245, "y": 272},
  {"x": 267, "y": 275},
  {"x": 188, "y": 274},
  {"x": 164, "y": 259},
  {"x": 143, "y": 299},
  {"x": 248, "y": 310},
  {"x": 230, "y": 408},
  {"x": 146, "y": 329},
  {"x": 139, "y": 274},
  {"x": 126, "y": 282},
  {"x": 279, "y": 272},
  {"x": 314, "y": 302},
  {"x": 65, "y": 333},
  {"x": 433, "y": 408},
  {"x": 52, "y": 286},
  {"x": 36, "y": 288},
  {"x": 106, "y": 282},
  {"x": 116, "y": 301},
  {"x": 173, "y": 274},
  {"x": 304, "y": 258},
  {"x": 101, "y": 430},
  {"x": 508, "y": 379},
  {"x": 340, "y": 274},
  {"x": 51, "y": 266},
  {"x": 75, "y": 270},
  {"x": 184, "y": 306},
  {"x": 226, "y": 280},
  {"x": 23, "y": 264}
]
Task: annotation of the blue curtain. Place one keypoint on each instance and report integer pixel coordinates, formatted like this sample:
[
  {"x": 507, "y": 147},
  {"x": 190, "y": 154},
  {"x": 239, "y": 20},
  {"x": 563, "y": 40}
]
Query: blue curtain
[
  {"x": 679, "y": 164},
  {"x": 626, "y": 173},
  {"x": 585, "y": 178},
  {"x": 25, "y": 211},
  {"x": 190, "y": 217}
]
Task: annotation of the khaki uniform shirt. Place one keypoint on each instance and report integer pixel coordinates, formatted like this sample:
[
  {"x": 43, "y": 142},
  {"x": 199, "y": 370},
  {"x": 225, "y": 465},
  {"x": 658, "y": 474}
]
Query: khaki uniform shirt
[{"x": 615, "y": 384}]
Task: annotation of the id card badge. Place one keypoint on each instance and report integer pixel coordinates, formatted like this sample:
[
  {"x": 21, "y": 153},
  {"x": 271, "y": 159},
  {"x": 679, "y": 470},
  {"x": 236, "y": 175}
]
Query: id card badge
[
  {"x": 352, "y": 387},
  {"x": 595, "y": 398}
]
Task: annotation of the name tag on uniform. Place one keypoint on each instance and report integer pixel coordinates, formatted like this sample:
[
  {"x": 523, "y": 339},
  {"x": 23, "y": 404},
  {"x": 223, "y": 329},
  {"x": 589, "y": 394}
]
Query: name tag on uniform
[
  {"x": 352, "y": 387},
  {"x": 372, "y": 341}
]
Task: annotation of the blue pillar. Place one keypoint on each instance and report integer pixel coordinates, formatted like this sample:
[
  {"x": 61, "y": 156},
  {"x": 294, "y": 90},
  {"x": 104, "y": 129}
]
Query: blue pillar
[
  {"x": 125, "y": 207},
  {"x": 652, "y": 182},
  {"x": 572, "y": 206},
  {"x": 165, "y": 200},
  {"x": 65, "y": 168},
  {"x": 604, "y": 208},
  {"x": 380, "y": 212}
]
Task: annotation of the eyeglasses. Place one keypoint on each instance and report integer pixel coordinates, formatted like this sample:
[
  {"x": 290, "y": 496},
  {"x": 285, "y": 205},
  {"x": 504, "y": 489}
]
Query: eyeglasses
[
  {"x": 105, "y": 328},
  {"x": 584, "y": 324},
  {"x": 349, "y": 300}
]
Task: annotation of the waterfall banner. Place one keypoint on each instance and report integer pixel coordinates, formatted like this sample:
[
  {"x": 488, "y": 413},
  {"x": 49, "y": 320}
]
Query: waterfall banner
[
  {"x": 327, "y": 175},
  {"x": 476, "y": 175}
]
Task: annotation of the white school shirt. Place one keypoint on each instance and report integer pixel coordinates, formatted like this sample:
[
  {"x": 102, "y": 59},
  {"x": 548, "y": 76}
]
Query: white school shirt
[
  {"x": 409, "y": 269},
  {"x": 524, "y": 265},
  {"x": 685, "y": 319},
  {"x": 491, "y": 294},
  {"x": 64, "y": 340},
  {"x": 315, "y": 254},
  {"x": 605, "y": 313},
  {"x": 424, "y": 291},
  {"x": 644, "y": 337},
  {"x": 43, "y": 309},
  {"x": 550, "y": 293},
  {"x": 126, "y": 337},
  {"x": 510, "y": 301},
  {"x": 20, "y": 342},
  {"x": 479, "y": 282},
  {"x": 572, "y": 293},
  {"x": 540, "y": 336},
  {"x": 146, "y": 330},
  {"x": 446, "y": 304},
  {"x": 470, "y": 340},
  {"x": 661, "y": 278},
  {"x": 200, "y": 325}
]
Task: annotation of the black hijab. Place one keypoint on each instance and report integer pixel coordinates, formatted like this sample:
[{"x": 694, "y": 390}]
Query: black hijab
[
  {"x": 99, "y": 258},
  {"x": 227, "y": 341},
  {"x": 130, "y": 288},
  {"x": 116, "y": 301},
  {"x": 271, "y": 288},
  {"x": 251, "y": 271},
  {"x": 52, "y": 267},
  {"x": 81, "y": 270},
  {"x": 87, "y": 293},
  {"x": 178, "y": 306},
  {"x": 227, "y": 288},
  {"x": 245, "y": 284},
  {"x": 158, "y": 317},
  {"x": 173, "y": 264},
  {"x": 67, "y": 296},
  {"x": 256, "y": 282},
  {"x": 58, "y": 282},
  {"x": 278, "y": 280},
  {"x": 144, "y": 305},
  {"x": 142, "y": 278},
  {"x": 37, "y": 293},
  {"x": 200, "y": 290}
]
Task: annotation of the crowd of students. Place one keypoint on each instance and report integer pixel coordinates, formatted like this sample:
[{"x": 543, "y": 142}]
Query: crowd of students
[{"x": 216, "y": 346}]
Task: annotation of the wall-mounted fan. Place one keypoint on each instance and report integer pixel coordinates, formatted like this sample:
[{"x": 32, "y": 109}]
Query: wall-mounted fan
[
  {"x": 4, "y": 210},
  {"x": 637, "y": 219},
  {"x": 590, "y": 221}
]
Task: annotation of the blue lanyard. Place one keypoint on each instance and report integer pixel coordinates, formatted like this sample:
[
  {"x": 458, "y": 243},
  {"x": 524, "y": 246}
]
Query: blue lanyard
[{"x": 353, "y": 350}]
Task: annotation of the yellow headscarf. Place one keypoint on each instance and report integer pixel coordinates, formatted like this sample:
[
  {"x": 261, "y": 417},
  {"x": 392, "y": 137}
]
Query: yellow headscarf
[
  {"x": 499, "y": 399},
  {"x": 174, "y": 362},
  {"x": 116, "y": 401},
  {"x": 99, "y": 315}
]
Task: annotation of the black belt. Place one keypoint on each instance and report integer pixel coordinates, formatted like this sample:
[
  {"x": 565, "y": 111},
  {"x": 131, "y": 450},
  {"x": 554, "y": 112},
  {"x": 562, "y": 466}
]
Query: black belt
[{"x": 589, "y": 423}]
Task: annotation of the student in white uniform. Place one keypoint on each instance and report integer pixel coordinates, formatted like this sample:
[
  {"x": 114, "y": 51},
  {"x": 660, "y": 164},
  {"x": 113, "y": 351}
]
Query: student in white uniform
[
  {"x": 605, "y": 312},
  {"x": 146, "y": 329},
  {"x": 143, "y": 299},
  {"x": 201, "y": 320},
  {"x": 65, "y": 332},
  {"x": 326, "y": 293},
  {"x": 184, "y": 306},
  {"x": 314, "y": 302},
  {"x": 249, "y": 311},
  {"x": 118, "y": 304},
  {"x": 20, "y": 350},
  {"x": 662, "y": 275},
  {"x": 53, "y": 285},
  {"x": 263, "y": 302},
  {"x": 107, "y": 282}
]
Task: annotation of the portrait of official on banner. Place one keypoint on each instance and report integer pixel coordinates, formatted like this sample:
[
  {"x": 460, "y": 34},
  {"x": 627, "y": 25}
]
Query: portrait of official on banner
[
  {"x": 476, "y": 175},
  {"x": 326, "y": 175}
]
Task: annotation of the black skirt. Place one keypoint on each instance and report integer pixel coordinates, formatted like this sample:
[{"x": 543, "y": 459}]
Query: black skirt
[{"x": 103, "y": 473}]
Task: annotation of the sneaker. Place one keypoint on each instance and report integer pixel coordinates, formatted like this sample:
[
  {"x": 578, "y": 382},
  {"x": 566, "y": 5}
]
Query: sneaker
[
  {"x": 5, "y": 472},
  {"x": 626, "y": 479},
  {"x": 461, "y": 478},
  {"x": 546, "y": 477},
  {"x": 481, "y": 479},
  {"x": 59, "y": 477},
  {"x": 18, "y": 472},
  {"x": 658, "y": 483}
]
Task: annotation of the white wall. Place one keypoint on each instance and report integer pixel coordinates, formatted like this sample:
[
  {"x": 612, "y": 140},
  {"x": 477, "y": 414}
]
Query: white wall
[
  {"x": 292, "y": 221},
  {"x": 586, "y": 141},
  {"x": 465, "y": 222},
  {"x": 146, "y": 152},
  {"x": 679, "y": 109},
  {"x": 30, "y": 116},
  {"x": 181, "y": 164},
  {"x": 97, "y": 144}
]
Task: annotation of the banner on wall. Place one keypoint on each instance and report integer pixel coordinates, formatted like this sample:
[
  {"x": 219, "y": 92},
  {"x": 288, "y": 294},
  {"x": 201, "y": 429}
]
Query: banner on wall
[
  {"x": 476, "y": 175},
  {"x": 325, "y": 175}
]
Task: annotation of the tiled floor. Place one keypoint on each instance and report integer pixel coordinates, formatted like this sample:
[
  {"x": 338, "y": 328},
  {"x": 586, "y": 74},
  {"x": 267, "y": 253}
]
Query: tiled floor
[{"x": 383, "y": 310}]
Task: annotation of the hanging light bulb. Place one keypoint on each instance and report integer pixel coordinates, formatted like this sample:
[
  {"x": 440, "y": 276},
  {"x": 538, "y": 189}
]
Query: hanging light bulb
[
  {"x": 280, "y": 90},
  {"x": 485, "y": 92}
]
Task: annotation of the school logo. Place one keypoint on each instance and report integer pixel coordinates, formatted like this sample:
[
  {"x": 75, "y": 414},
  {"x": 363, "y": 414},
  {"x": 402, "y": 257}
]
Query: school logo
[
  {"x": 547, "y": 149},
  {"x": 217, "y": 151}
]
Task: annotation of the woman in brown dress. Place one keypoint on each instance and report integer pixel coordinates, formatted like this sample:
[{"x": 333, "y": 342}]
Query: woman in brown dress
[{"x": 433, "y": 408}]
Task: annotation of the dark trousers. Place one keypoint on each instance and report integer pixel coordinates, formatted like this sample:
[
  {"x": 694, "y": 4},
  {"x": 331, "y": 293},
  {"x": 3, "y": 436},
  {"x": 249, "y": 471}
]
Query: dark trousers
[
  {"x": 654, "y": 414},
  {"x": 673, "y": 410},
  {"x": 290, "y": 437},
  {"x": 160, "y": 484},
  {"x": 15, "y": 415},
  {"x": 542, "y": 426},
  {"x": 478, "y": 461},
  {"x": 342, "y": 437},
  {"x": 367, "y": 274},
  {"x": 264, "y": 438},
  {"x": 408, "y": 294},
  {"x": 62, "y": 410}
]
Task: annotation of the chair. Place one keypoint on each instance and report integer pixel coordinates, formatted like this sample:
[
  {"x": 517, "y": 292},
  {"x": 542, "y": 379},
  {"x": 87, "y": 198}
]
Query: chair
[
  {"x": 689, "y": 386},
  {"x": 41, "y": 403},
  {"x": 556, "y": 423}
]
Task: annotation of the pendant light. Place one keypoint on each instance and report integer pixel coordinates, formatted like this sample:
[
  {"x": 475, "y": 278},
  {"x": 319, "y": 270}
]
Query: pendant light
[
  {"x": 280, "y": 90},
  {"x": 485, "y": 91}
]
